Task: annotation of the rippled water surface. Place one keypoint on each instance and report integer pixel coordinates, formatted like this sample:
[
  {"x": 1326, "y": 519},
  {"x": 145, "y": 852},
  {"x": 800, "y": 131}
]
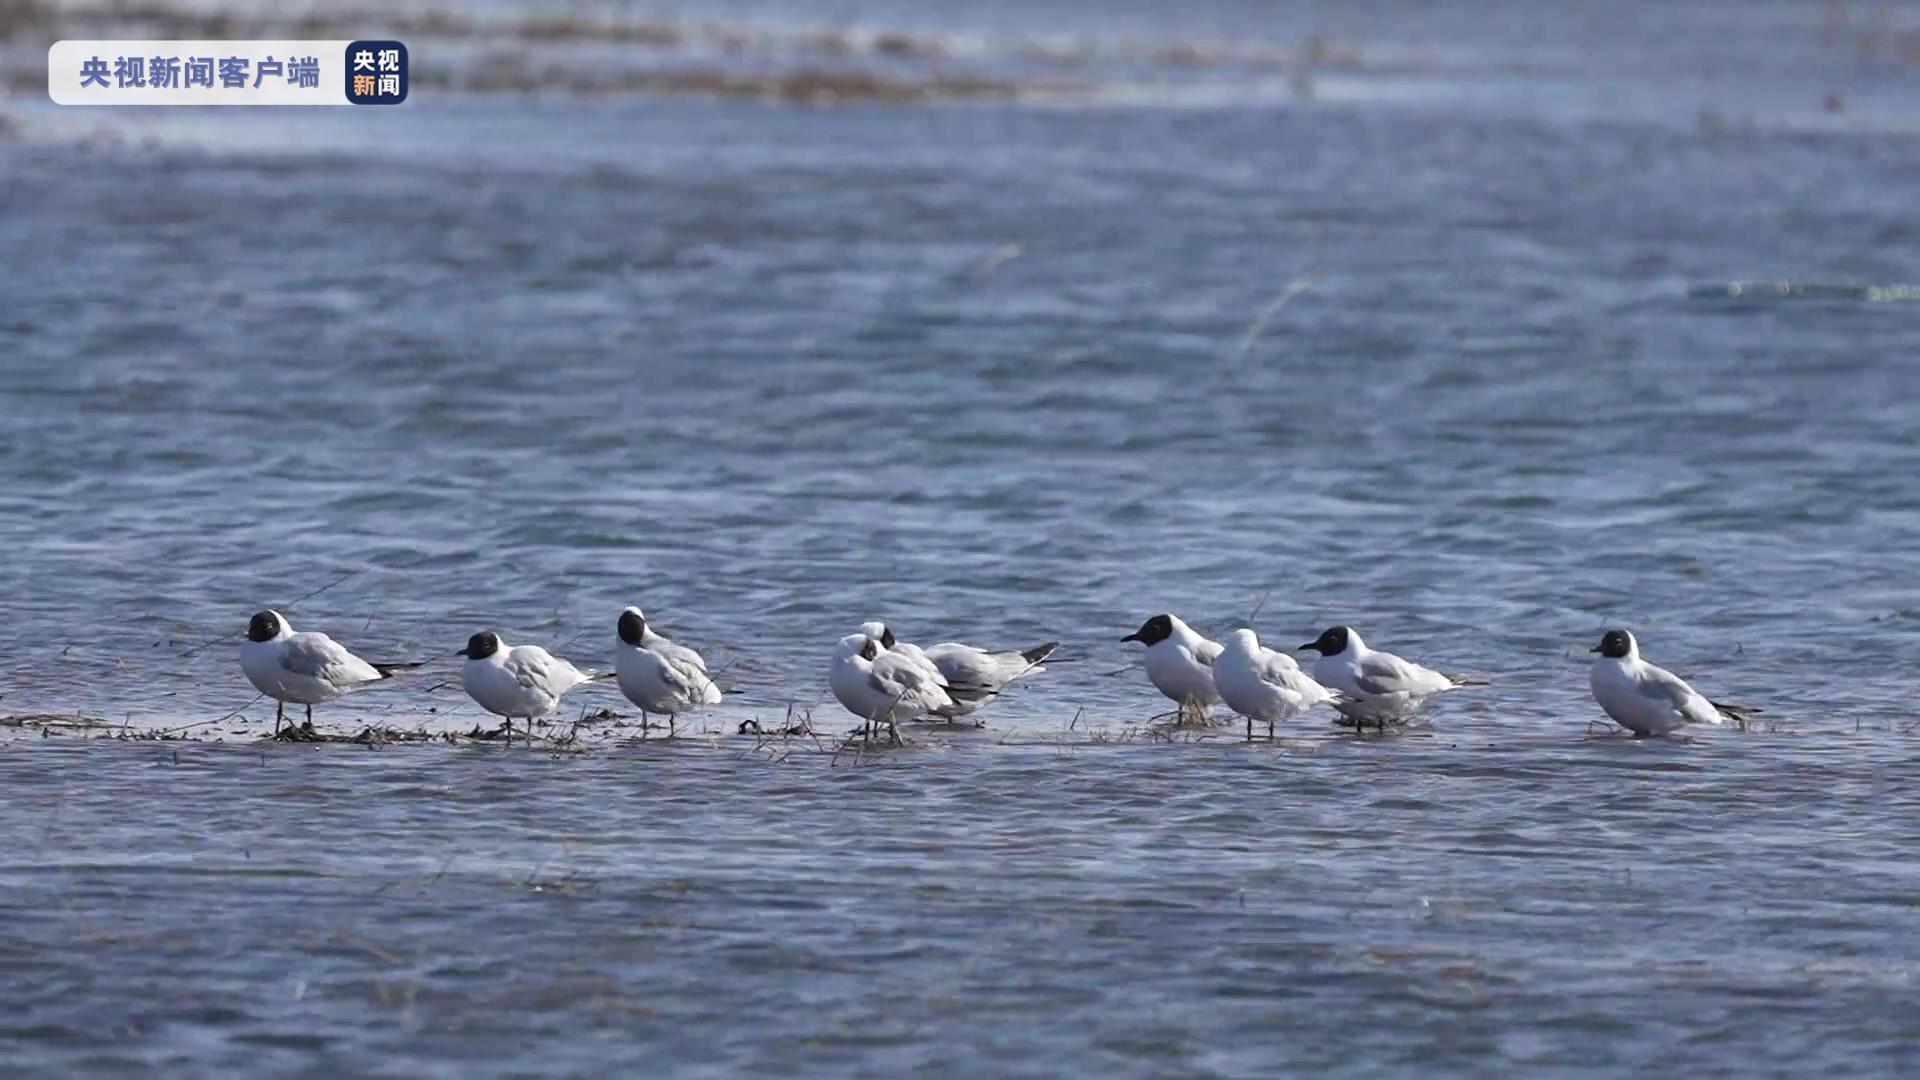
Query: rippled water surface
[{"x": 1436, "y": 339}]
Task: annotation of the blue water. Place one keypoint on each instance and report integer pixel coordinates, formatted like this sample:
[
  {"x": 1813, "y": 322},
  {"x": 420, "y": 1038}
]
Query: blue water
[{"x": 1445, "y": 350}]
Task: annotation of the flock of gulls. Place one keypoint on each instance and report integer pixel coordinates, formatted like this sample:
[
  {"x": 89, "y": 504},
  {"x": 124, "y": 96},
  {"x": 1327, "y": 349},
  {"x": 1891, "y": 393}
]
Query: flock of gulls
[{"x": 885, "y": 681}]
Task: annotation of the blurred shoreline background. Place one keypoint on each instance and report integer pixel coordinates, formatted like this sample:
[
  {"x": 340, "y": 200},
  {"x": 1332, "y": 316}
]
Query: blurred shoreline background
[{"x": 1709, "y": 63}]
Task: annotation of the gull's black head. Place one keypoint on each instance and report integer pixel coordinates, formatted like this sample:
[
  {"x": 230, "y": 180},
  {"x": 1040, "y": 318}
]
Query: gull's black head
[
  {"x": 870, "y": 649},
  {"x": 1331, "y": 643},
  {"x": 264, "y": 627},
  {"x": 633, "y": 626},
  {"x": 1614, "y": 643},
  {"x": 481, "y": 645},
  {"x": 1153, "y": 631},
  {"x": 886, "y": 637}
]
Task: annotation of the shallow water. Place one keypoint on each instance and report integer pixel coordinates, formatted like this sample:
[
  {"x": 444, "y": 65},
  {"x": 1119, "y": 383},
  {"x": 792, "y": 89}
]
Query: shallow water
[
  {"x": 1003, "y": 372},
  {"x": 967, "y": 909}
]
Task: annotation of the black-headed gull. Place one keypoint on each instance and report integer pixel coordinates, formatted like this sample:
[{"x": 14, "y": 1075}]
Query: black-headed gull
[
  {"x": 906, "y": 652},
  {"x": 1374, "y": 686},
  {"x": 973, "y": 675},
  {"x": 657, "y": 674},
  {"x": 305, "y": 668},
  {"x": 883, "y": 687},
  {"x": 1261, "y": 684},
  {"x": 1179, "y": 661},
  {"x": 1649, "y": 700},
  {"x": 519, "y": 680}
]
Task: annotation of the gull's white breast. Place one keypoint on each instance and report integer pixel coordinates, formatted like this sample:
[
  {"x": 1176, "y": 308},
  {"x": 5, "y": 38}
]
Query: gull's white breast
[{"x": 1175, "y": 672}]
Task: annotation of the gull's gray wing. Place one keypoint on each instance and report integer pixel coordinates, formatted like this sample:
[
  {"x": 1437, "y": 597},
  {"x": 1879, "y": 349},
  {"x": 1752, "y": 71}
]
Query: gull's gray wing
[
  {"x": 907, "y": 672},
  {"x": 318, "y": 656},
  {"x": 679, "y": 656},
  {"x": 902, "y": 679},
  {"x": 537, "y": 669},
  {"x": 897, "y": 681},
  {"x": 1283, "y": 671},
  {"x": 971, "y": 673},
  {"x": 1385, "y": 673},
  {"x": 683, "y": 677},
  {"x": 1670, "y": 691}
]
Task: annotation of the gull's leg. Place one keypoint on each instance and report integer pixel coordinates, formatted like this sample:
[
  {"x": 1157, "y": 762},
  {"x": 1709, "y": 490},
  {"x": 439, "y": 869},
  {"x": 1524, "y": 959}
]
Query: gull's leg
[
  {"x": 279, "y": 715},
  {"x": 309, "y": 716},
  {"x": 673, "y": 726}
]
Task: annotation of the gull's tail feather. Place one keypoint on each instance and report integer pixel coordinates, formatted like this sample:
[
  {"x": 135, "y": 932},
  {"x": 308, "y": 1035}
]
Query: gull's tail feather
[
  {"x": 1039, "y": 652},
  {"x": 1465, "y": 680},
  {"x": 390, "y": 669},
  {"x": 962, "y": 694}
]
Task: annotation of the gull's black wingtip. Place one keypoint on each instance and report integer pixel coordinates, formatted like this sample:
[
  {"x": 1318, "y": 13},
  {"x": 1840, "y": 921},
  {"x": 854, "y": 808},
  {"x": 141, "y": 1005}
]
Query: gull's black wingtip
[
  {"x": 1039, "y": 652},
  {"x": 392, "y": 668},
  {"x": 1466, "y": 680},
  {"x": 1736, "y": 712}
]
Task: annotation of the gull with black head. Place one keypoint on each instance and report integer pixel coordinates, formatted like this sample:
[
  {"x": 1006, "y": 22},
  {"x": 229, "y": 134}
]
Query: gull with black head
[
  {"x": 303, "y": 668},
  {"x": 657, "y": 674},
  {"x": 1649, "y": 700},
  {"x": 1179, "y": 661},
  {"x": 883, "y": 687},
  {"x": 973, "y": 676},
  {"x": 904, "y": 651},
  {"x": 1374, "y": 686},
  {"x": 518, "y": 680}
]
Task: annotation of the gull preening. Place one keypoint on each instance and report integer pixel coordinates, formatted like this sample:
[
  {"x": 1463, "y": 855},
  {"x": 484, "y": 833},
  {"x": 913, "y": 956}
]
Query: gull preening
[
  {"x": 1375, "y": 687},
  {"x": 520, "y": 680},
  {"x": 1261, "y": 684},
  {"x": 884, "y": 687},
  {"x": 971, "y": 675},
  {"x": 904, "y": 651},
  {"x": 1646, "y": 699},
  {"x": 657, "y": 674},
  {"x": 305, "y": 668},
  {"x": 1179, "y": 661}
]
